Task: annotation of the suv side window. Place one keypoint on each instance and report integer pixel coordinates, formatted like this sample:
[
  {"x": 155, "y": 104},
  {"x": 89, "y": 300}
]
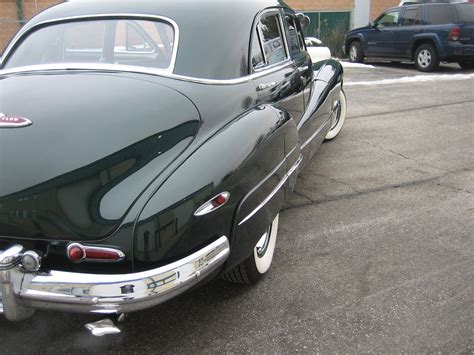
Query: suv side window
[
  {"x": 412, "y": 17},
  {"x": 440, "y": 14},
  {"x": 389, "y": 19}
]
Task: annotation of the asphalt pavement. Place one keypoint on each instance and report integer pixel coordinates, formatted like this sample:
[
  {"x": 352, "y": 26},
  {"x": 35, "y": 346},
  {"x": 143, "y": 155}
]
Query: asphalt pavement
[{"x": 375, "y": 251}]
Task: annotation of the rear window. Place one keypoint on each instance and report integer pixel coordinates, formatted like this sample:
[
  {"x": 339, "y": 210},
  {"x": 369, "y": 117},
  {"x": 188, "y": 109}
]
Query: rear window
[
  {"x": 123, "y": 42},
  {"x": 465, "y": 12},
  {"x": 412, "y": 17},
  {"x": 440, "y": 14}
]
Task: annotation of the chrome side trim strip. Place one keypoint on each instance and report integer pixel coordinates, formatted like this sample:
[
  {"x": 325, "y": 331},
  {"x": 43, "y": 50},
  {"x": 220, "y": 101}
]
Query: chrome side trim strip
[
  {"x": 114, "y": 68},
  {"x": 275, "y": 190},
  {"x": 170, "y": 69},
  {"x": 265, "y": 179},
  {"x": 310, "y": 139}
]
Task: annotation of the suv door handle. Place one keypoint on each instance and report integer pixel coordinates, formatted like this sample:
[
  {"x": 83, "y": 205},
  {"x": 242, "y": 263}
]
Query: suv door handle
[{"x": 262, "y": 87}]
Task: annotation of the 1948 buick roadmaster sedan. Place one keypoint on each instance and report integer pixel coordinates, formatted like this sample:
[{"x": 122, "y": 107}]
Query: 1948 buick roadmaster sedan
[{"x": 147, "y": 146}]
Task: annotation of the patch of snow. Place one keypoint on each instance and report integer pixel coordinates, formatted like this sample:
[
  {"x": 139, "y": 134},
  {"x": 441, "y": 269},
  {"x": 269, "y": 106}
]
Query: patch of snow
[
  {"x": 356, "y": 65},
  {"x": 414, "y": 79}
]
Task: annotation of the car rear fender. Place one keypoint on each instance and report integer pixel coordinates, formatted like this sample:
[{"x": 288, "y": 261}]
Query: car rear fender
[{"x": 233, "y": 160}]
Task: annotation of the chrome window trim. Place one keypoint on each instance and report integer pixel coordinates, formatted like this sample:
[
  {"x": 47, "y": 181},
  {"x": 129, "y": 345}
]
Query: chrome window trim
[
  {"x": 18, "y": 39},
  {"x": 270, "y": 12}
]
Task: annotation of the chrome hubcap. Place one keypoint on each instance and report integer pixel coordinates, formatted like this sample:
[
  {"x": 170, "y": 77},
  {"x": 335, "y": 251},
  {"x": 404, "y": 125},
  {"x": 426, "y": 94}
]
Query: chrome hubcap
[
  {"x": 353, "y": 53},
  {"x": 263, "y": 243},
  {"x": 337, "y": 116},
  {"x": 424, "y": 58}
]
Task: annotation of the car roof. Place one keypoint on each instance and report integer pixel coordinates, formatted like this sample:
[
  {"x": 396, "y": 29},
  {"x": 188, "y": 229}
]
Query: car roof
[{"x": 219, "y": 51}]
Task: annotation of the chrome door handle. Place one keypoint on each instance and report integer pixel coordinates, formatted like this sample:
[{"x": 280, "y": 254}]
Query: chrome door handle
[
  {"x": 262, "y": 87},
  {"x": 303, "y": 69}
]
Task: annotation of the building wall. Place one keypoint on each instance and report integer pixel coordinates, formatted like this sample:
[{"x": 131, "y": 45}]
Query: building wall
[
  {"x": 9, "y": 21},
  {"x": 8, "y": 24},
  {"x": 322, "y": 5},
  {"x": 378, "y": 6}
]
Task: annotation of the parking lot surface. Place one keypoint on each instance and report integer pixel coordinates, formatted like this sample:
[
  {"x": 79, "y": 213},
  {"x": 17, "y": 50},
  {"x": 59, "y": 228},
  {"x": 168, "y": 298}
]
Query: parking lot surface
[{"x": 375, "y": 251}]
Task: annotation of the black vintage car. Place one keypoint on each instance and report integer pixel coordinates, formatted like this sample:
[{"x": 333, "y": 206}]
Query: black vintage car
[{"x": 148, "y": 146}]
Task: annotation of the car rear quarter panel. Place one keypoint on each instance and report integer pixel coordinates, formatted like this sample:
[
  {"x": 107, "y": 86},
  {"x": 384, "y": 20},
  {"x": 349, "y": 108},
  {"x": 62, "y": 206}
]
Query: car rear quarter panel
[{"x": 235, "y": 159}]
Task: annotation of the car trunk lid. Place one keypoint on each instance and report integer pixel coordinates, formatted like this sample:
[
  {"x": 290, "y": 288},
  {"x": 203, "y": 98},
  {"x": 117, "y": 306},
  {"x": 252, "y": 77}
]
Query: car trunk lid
[{"x": 95, "y": 143}]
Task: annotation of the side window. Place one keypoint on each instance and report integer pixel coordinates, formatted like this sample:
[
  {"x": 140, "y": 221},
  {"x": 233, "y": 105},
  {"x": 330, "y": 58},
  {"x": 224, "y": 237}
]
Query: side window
[
  {"x": 440, "y": 14},
  {"x": 257, "y": 59},
  {"x": 412, "y": 17},
  {"x": 390, "y": 19},
  {"x": 272, "y": 37},
  {"x": 294, "y": 42}
]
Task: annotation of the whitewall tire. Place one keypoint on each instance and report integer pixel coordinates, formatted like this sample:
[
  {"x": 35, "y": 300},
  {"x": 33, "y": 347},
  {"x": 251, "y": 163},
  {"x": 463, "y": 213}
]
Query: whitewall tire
[
  {"x": 339, "y": 117},
  {"x": 251, "y": 270}
]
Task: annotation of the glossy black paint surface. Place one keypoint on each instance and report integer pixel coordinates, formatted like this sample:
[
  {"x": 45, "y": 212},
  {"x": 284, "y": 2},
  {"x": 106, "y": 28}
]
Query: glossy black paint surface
[{"x": 125, "y": 159}]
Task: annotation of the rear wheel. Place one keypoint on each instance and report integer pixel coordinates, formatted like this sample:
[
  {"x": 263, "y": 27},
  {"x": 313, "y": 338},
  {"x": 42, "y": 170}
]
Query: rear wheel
[
  {"x": 426, "y": 58},
  {"x": 356, "y": 54},
  {"x": 468, "y": 65},
  {"x": 252, "y": 269},
  {"x": 339, "y": 118}
]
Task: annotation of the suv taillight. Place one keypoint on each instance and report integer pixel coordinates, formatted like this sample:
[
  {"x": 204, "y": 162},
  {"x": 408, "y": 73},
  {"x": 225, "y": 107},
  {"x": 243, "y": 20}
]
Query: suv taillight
[{"x": 454, "y": 34}]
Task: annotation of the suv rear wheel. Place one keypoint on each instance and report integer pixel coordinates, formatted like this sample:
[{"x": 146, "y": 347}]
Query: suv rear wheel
[
  {"x": 426, "y": 58},
  {"x": 356, "y": 54}
]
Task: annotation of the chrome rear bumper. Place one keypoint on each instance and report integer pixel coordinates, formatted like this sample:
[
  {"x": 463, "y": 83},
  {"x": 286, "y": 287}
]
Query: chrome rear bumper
[{"x": 21, "y": 293}]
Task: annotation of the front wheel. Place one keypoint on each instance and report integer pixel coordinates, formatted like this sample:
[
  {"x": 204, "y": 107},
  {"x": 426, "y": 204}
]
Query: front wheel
[
  {"x": 426, "y": 58},
  {"x": 356, "y": 54},
  {"x": 252, "y": 269},
  {"x": 339, "y": 117}
]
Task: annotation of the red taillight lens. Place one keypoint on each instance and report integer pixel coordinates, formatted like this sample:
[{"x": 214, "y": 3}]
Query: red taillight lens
[
  {"x": 77, "y": 253},
  {"x": 212, "y": 205},
  {"x": 104, "y": 255},
  {"x": 219, "y": 200},
  {"x": 455, "y": 34}
]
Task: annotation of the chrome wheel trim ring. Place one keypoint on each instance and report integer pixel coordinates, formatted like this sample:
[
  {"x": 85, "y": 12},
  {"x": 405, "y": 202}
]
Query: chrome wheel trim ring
[
  {"x": 353, "y": 53},
  {"x": 264, "y": 249}
]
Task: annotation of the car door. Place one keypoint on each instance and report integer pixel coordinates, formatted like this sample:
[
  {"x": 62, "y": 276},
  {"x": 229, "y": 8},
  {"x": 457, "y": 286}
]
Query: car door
[
  {"x": 276, "y": 76},
  {"x": 380, "y": 41},
  {"x": 410, "y": 26}
]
